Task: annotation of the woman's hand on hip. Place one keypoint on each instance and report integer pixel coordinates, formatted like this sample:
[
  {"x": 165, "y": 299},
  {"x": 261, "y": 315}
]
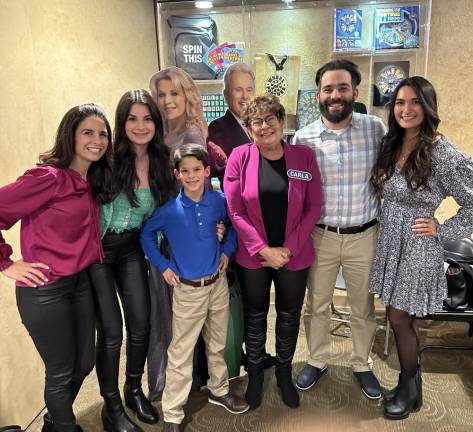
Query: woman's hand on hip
[
  {"x": 27, "y": 272},
  {"x": 425, "y": 227}
]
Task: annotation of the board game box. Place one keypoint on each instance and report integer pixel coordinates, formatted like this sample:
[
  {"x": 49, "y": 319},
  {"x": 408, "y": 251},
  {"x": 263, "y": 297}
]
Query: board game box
[
  {"x": 396, "y": 27},
  {"x": 348, "y": 27}
]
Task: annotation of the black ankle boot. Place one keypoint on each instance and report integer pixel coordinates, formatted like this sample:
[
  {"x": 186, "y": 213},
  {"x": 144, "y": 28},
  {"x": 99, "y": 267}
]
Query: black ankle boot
[
  {"x": 284, "y": 380},
  {"x": 407, "y": 399},
  {"x": 418, "y": 378},
  {"x": 389, "y": 395},
  {"x": 114, "y": 417},
  {"x": 254, "y": 390},
  {"x": 47, "y": 424},
  {"x": 137, "y": 401}
]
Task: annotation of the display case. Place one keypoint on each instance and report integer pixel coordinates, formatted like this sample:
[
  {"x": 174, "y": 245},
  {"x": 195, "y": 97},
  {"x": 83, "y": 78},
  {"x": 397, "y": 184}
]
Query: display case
[{"x": 285, "y": 42}]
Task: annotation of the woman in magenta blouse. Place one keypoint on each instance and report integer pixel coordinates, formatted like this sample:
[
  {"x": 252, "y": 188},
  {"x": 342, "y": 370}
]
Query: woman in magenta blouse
[
  {"x": 60, "y": 238},
  {"x": 274, "y": 198}
]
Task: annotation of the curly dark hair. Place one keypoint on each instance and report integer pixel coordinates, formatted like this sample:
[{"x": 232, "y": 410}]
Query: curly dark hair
[
  {"x": 62, "y": 154},
  {"x": 161, "y": 180},
  {"x": 418, "y": 167},
  {"x": 266, "y": 104}
]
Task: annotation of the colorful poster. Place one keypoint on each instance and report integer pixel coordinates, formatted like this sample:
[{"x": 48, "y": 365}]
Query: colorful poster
[
  {"x": 218, "y": 58},
  {"x": 387, "y": 75},
  {"x": 348, "y": 26},
  {"x": 396, "y": 27}
]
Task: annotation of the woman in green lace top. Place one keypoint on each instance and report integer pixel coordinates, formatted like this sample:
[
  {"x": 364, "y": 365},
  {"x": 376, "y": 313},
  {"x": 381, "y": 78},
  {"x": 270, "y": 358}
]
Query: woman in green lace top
[{"x": 142, "y": 180}]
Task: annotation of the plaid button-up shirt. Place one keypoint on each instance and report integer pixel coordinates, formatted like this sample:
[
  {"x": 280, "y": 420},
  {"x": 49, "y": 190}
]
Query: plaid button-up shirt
[{"x": 345, "y": 162}]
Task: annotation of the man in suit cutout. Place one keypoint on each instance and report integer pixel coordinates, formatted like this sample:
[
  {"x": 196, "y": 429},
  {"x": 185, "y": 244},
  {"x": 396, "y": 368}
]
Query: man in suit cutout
[{"x": 229, "y": 131}]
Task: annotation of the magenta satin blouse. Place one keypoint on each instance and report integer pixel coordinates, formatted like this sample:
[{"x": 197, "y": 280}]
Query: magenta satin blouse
[{"x": 59, "y": 221}]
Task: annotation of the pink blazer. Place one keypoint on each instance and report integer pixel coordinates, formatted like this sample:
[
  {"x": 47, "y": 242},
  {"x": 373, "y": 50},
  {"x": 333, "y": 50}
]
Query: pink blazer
[{"x": 304, "y": 204}]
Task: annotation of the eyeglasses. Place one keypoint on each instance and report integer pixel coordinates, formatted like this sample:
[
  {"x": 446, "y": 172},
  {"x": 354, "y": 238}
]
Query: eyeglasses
[{"x": 270, "y": 120}]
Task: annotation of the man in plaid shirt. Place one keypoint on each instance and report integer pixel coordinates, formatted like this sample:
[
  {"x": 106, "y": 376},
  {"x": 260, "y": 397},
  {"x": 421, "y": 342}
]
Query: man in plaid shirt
[{"x": 346, "y": 146}]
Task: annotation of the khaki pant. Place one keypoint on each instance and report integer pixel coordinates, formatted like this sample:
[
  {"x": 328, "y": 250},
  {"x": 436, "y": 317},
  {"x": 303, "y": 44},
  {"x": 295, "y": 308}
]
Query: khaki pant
[
  {"x": 194, "y": 310},
  {"x": 355, "y": 253}
]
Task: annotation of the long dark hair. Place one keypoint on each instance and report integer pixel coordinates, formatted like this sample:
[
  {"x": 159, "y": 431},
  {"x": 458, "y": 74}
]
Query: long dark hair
[
  {"x": 161, "y": 180},
  {"x": 62, "y": 154},
  {"x": 418, "y": 167}
]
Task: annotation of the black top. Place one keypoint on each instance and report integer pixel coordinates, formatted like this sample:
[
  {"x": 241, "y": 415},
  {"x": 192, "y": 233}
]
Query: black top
[{"x": 273, "y": 188}]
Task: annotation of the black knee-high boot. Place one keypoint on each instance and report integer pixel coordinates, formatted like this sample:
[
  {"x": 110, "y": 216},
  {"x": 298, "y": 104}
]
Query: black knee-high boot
[
  {"x": 254, "y": 390},
  {"x": 284, "y": 380},
  {"x": 255, "y": 338},
  {"x": 137, "y": 401},
  {"x": 287, "y": 330}
]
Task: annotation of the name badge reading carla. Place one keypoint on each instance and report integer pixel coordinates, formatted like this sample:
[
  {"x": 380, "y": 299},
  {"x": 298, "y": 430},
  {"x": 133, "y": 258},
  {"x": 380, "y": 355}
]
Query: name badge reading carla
[{"x": 299, "y": 175}]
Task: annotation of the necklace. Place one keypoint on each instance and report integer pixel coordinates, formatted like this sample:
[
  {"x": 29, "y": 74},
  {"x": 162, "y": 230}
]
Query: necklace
[
  {"x": 403, "y": 157},
  {"x": 406, "y": 150}
]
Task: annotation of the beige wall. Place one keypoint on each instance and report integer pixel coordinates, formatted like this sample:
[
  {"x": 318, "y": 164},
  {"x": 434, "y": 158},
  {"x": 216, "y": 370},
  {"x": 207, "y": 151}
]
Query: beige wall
[
  {"x": 450, "y": 70},
  {"x": 56, "y": 54},
  {"x": 61, "y": 53}
]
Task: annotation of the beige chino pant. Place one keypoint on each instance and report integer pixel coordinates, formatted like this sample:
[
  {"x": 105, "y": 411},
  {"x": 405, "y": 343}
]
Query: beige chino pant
[
  {"x": 196, "y": 309},
  {"x": 355, "y": 253}
]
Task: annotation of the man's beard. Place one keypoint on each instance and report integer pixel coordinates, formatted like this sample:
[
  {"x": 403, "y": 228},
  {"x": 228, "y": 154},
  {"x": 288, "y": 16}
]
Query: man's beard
[{"x": 339, "y": 116}]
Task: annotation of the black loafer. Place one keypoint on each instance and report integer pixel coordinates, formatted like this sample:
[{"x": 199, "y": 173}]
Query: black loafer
[
  {"x": 369, "y": 384},
  {"x": 309, "y": 376}
]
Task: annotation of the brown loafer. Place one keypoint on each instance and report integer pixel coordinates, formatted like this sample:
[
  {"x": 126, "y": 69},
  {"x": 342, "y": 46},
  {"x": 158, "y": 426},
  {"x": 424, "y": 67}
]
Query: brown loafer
[{"x": 233, "y": 404}]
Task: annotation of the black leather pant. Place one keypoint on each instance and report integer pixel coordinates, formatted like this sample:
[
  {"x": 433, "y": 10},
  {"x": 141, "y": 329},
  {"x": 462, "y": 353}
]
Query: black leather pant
[
  {"x": 290, "y": 289},
  {"x": 124, "y": 271},
  {"x": 60, "y": 319}
]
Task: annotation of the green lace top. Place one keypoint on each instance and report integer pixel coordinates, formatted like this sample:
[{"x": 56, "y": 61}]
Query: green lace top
[{"x": 119, "y": 215}]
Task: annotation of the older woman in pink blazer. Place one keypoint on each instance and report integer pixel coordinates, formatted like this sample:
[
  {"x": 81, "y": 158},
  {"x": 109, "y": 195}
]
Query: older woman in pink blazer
[{"x": 274, "y": 198}]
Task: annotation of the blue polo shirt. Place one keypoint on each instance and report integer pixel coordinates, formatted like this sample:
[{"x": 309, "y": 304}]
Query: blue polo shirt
[{"x": 190, "y": 227}]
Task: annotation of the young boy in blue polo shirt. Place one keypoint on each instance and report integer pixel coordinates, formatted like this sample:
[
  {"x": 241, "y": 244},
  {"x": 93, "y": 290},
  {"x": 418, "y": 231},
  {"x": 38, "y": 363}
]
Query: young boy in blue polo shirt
[{"x": 196, "y": 270}]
